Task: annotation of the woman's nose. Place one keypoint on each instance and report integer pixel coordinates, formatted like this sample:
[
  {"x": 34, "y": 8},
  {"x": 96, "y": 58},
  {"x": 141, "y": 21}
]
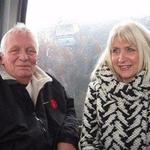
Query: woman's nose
[{"x": 122, "y": 56}]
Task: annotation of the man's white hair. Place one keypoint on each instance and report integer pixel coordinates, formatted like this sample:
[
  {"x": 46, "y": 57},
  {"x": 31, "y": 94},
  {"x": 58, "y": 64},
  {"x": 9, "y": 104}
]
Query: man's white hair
[{"x": 19, "y": 27}]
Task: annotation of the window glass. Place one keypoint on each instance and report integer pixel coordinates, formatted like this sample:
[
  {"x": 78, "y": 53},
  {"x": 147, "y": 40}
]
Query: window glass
[{"x": 72, "y": 35}]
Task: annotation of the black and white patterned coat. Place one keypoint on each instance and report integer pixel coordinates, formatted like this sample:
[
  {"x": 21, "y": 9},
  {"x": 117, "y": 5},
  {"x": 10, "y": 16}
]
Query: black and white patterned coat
[{"x": 116, "y": 115}]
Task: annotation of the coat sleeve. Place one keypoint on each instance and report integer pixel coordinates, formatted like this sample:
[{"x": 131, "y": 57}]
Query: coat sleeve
[
  {"x": 69, "y": 132},
  {"x": 89, "y": 139}
]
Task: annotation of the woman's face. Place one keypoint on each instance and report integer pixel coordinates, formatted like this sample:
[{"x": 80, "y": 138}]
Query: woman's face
[{"x": 125, "y": 60}]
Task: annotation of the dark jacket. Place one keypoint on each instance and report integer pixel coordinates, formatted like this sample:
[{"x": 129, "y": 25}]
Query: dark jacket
[{"x": 25, "y": 126}]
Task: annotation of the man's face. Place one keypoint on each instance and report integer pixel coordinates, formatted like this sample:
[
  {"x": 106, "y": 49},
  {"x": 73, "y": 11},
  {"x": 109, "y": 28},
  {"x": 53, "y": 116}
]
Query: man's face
[{"x": 20, "y": 56}]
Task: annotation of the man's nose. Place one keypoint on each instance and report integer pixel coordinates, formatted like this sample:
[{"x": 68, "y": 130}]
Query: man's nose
[{"x": 23, "y": 55}]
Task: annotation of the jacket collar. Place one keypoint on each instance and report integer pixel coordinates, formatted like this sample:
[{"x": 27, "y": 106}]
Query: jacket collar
[{"x": 38, "y": 81}]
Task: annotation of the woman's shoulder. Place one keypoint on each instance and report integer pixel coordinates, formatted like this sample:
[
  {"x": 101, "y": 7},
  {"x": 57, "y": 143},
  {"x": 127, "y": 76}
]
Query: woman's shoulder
[{"x": 102, "y": 74}]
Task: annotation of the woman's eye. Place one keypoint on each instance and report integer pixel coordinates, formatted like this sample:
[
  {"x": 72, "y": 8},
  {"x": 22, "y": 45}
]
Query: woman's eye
[
  {"x": 130, "y": 49},
  {"x": 115, "y": 50}
]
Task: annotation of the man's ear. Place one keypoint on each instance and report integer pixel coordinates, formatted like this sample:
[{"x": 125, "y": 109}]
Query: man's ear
[{"x": 1, "y": 58}]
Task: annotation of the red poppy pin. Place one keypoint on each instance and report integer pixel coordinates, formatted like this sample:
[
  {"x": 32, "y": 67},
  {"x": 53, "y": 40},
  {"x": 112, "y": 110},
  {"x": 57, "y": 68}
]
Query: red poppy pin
[{"x": 53, "y": 104}]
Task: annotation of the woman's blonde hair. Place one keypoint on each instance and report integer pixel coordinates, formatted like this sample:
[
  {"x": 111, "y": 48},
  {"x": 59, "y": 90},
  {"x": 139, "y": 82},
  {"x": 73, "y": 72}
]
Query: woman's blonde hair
[{"x": 134, "y": 33}]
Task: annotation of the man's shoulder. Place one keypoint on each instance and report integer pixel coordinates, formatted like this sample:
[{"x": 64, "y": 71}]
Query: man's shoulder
[{"x": 55, "y": 82}]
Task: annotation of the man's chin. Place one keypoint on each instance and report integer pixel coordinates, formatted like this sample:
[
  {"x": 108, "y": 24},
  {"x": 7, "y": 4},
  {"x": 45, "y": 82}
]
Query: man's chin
[{"x": 25, "y": 75}]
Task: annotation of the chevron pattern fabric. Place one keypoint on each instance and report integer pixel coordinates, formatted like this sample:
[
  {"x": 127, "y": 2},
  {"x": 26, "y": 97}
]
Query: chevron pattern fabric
[{"x": 116, "y": 115}]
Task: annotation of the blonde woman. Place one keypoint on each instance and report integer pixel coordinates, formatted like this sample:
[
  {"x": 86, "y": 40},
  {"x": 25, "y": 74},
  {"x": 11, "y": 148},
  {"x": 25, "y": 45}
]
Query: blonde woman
[{"x": 117, "y": 106}]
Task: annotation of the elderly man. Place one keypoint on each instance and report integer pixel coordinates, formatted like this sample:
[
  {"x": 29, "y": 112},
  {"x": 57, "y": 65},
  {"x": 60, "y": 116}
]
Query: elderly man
[{"x": 35, "y": 112}]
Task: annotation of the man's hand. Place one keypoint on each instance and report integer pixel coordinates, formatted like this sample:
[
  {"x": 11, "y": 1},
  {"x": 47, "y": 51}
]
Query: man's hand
[{"x": 65, "y": 146}]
